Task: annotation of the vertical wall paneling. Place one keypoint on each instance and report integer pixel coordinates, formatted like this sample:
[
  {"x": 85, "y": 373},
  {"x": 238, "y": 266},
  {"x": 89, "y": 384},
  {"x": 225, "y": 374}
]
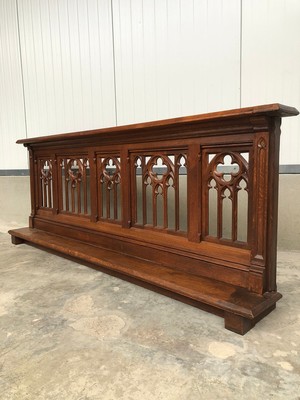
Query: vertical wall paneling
[
  {"x": 271, "y": 63},
  {"x": 12, "y": 118},
  {"x": 67, "y": 55},
  {"x": 81, "y": 64},
  {"x": 175, "y": 57}
]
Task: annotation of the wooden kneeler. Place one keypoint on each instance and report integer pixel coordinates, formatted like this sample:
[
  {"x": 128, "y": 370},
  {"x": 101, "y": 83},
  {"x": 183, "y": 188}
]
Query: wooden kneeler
[{"x": 186, "y": 207}]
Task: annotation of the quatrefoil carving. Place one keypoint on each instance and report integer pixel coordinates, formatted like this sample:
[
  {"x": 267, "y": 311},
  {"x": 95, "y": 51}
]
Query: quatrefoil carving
[
  {"x": 238, "y": 168},
  {"x": 160, "y": 181}
]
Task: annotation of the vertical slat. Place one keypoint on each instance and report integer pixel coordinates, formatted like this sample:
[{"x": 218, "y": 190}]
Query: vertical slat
[
  {"x": 85, "y": 164},
  {"x": 78, "y": 188},
  {"x": 250, "y": 184},
  {"x": 67, "y": 180},
  {"x": 133, "y": 169},
  {"x": 107, "y": 200},
  {"x": 194, "y": 206},
  {"x": 154, "y": 206},
  {"x": 50, "y": 185},
  {"x": 59, "y": 198},
  {"x": 94, "y": 186},
  {"x": 205, "y": 194},
  {"x": 115, "y": 200},
  {"x": 220, "y": 212},
  {"x": 100, "y": 187},
  {"x": 45, "y": 203},
  {"x": 165, "y": 197},
  {"x": 49, "y": 195},
  {"x": 144, "y": 187},
  {"x": 40, "y": 183},
  {"x": 73, "y": 189},
  {"x": 234, "y": 195},
  {"x": 176, "y": 185},
  {"x": 55, "y": 179},
  {"x": 126, "y": 190}
]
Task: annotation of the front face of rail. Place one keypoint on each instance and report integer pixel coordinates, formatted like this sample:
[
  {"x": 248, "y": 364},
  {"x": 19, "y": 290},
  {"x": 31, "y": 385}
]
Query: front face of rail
[
  {"x": 213, "y": 191},
  {"x": 159, "y": 186}
]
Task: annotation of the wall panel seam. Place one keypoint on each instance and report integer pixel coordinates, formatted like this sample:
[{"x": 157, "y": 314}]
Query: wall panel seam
[
  {"x": 21, "y": 66},
  {"x": 241, "y": 48},
  {"x": 114, "y": 60}
]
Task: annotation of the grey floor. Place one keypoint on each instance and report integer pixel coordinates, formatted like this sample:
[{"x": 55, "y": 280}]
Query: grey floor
[{"x": 69, "y": 332}]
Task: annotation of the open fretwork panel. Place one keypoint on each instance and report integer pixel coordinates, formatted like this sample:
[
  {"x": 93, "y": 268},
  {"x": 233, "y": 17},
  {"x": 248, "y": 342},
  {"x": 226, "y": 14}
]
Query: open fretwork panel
[{"x": 186, "y": 207}]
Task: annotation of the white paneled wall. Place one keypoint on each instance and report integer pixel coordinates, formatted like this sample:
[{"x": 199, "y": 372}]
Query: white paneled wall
[
  {"x": 69, "y": 65},
  {"x": 175, "y": 57},
  {"x": 12, "y": 117},
  {"x": 67, "y": 54},
  {"x": 271, "y": 63}
]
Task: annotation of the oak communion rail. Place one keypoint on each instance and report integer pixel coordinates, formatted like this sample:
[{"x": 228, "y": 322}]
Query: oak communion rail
[{"x": 186, "y": 207}]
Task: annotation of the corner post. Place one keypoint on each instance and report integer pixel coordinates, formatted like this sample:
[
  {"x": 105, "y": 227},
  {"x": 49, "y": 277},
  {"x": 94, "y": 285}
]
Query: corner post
[
  {"x": 272, "y": 216},
  {"x": 32, "y": 172},
  {"x": 262, "y": 275}
]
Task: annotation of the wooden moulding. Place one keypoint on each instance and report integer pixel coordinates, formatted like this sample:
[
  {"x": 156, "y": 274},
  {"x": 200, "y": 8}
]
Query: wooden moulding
[{"x": 135, "y": 202}]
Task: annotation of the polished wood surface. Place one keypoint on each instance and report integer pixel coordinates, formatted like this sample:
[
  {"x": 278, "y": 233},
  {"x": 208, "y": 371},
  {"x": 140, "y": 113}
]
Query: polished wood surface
[{"x": 161, "y": 204}]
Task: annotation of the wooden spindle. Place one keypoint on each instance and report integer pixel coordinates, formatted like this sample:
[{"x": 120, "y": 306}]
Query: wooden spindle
[
  {"x": 154, "y": 206},
  {"x": 49, "y": 188},
  {"x": 220, "y": 213},
  {"x": 234, "y": 198},
  {"x": 176, "y": 187},
  {"x": 144, "y": 194},
  {"x": 165, "y": 211},
  {"x": 115, "y": 200},
  {"x": 85, "y": 164},
  {"x": 67, "y": 180}
]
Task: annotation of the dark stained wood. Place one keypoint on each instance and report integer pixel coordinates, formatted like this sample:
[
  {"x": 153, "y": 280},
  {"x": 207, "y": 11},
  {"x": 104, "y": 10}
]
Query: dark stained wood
[
  {"x": 91, "y": 202},
  {"x": 220, "y": 117},
  {"x": 16, "y": 240},
  {"x": 203, "y": 290}
]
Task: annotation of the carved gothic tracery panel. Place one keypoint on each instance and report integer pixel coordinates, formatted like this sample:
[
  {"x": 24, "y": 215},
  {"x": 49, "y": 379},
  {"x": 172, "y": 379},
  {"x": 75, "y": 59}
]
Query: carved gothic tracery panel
[
  {"x": 109, "y": 187},
  {"x": 75, "y": 185},
  {"x": 159, "y": 191},
  {"x": 227, "y": 177},
  {"x": 46, "y": 183}
]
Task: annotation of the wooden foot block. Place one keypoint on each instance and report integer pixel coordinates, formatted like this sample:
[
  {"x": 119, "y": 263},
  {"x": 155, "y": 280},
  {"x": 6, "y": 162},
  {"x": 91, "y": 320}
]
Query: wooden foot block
[
  {"x": 237, "y": 324},
  {"x": 16, "y": 240}
]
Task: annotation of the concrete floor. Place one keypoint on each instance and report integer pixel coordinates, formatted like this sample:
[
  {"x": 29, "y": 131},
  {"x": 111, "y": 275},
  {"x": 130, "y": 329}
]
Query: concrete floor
[{"x": 69, "y": 332}]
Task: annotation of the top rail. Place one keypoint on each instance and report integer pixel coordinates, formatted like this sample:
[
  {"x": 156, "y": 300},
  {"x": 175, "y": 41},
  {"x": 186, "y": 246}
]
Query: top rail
[{"x": 272, "y": 110}]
